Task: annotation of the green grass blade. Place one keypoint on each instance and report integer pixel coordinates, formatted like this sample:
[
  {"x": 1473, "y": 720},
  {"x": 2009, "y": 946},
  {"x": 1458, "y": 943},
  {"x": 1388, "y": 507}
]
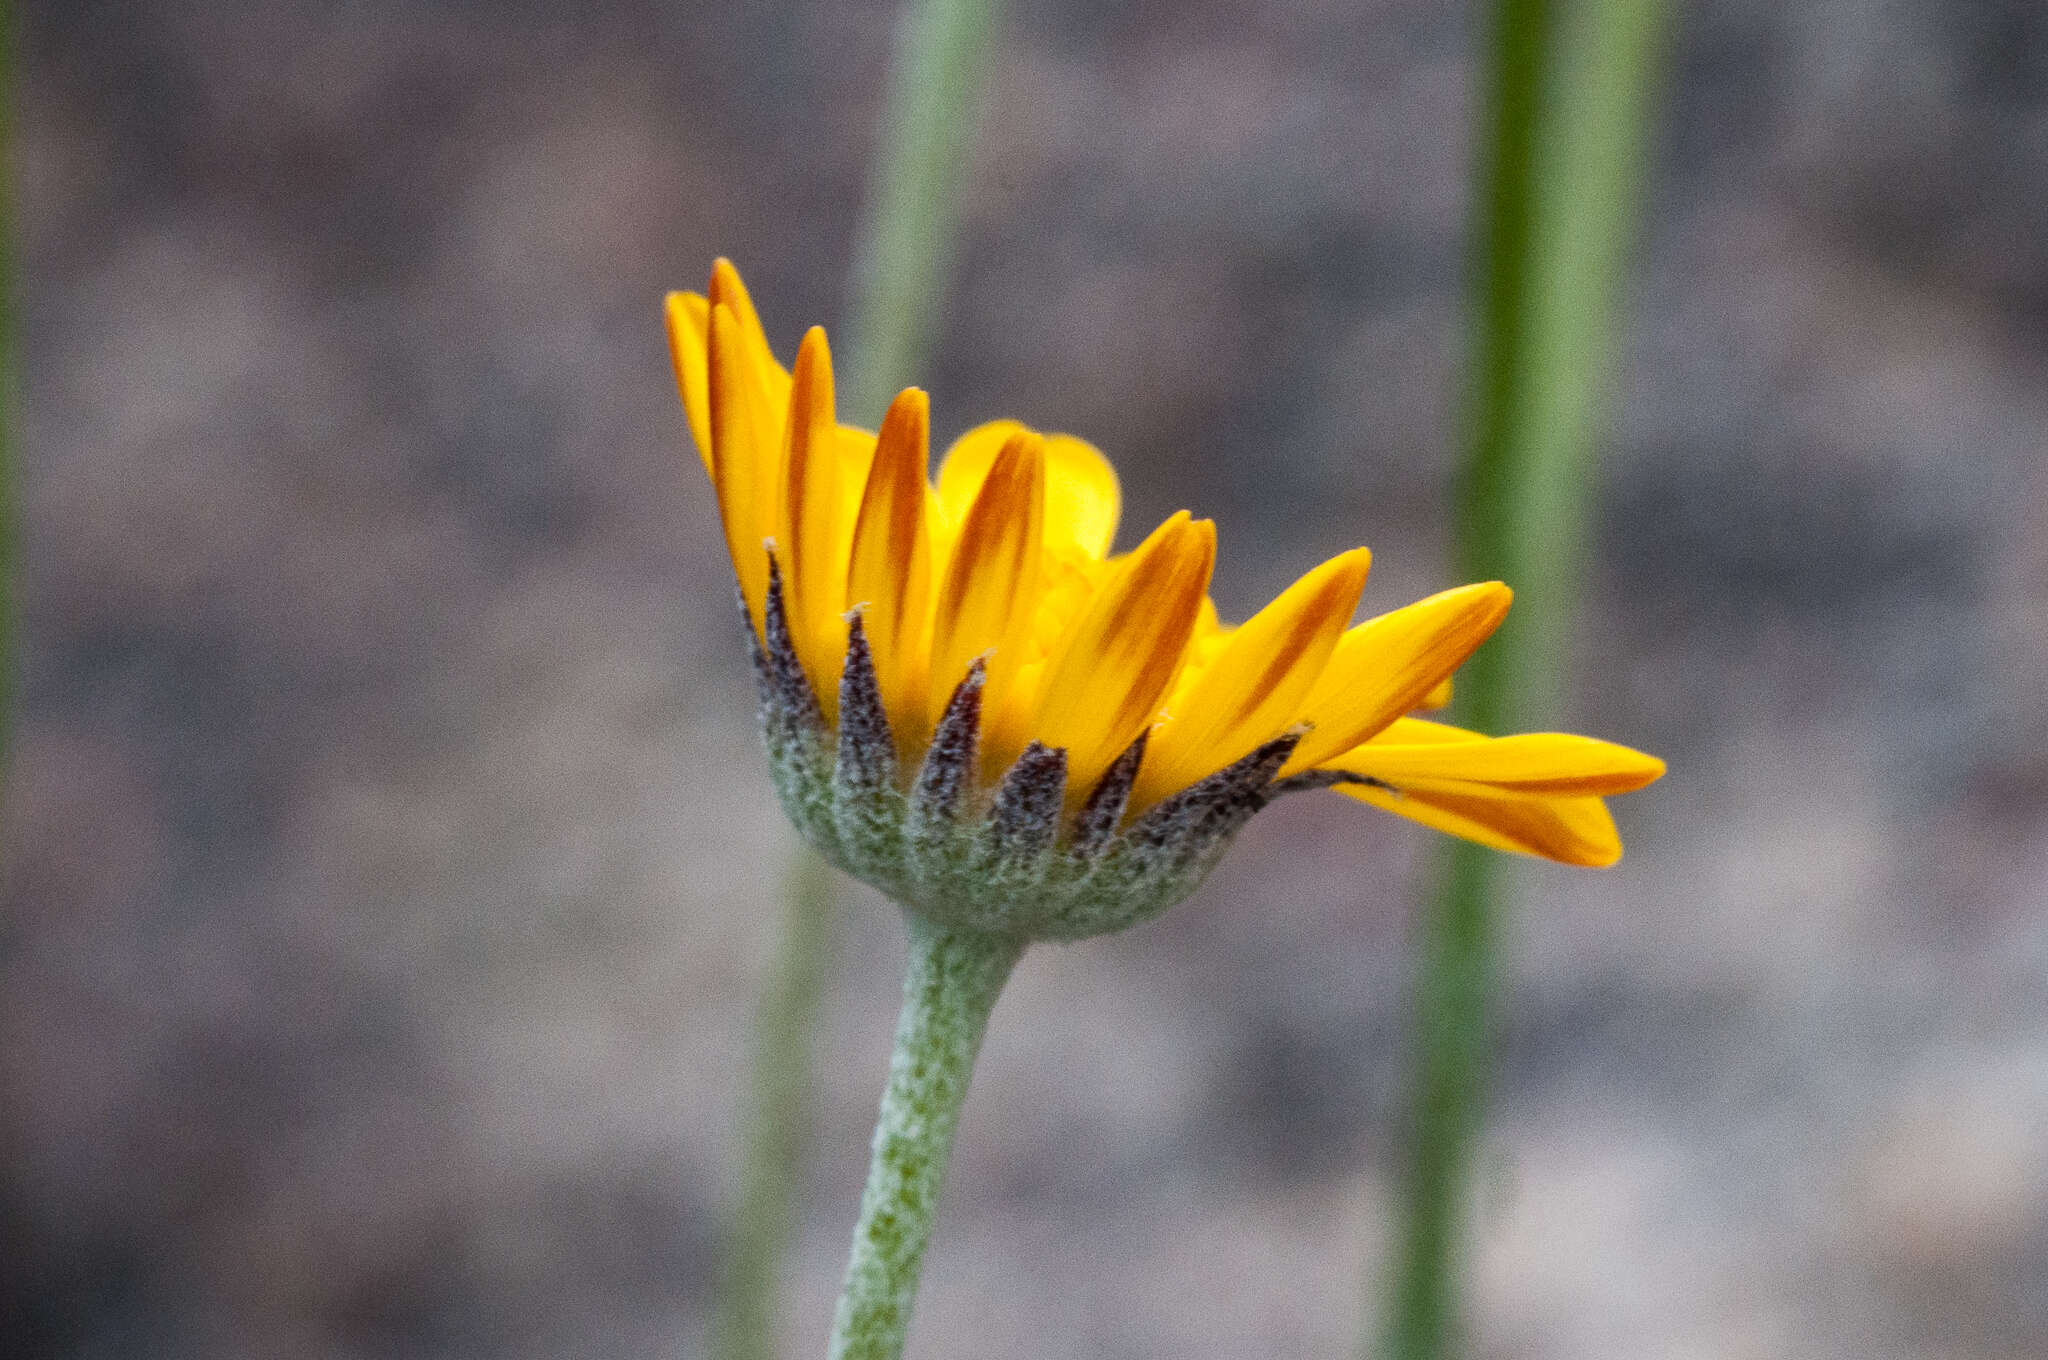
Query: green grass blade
[
  {"x": 1570, "y": 103},
  {"x": 904, "y": 255}
]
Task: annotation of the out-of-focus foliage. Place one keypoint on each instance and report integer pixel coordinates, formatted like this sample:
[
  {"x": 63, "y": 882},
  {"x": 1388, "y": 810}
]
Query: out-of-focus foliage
[{"x": 1568, "y": 106}]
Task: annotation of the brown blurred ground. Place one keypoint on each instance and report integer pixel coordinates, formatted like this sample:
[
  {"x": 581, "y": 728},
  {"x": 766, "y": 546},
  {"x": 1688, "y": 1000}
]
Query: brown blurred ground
[{"x": 389, "y": 867}]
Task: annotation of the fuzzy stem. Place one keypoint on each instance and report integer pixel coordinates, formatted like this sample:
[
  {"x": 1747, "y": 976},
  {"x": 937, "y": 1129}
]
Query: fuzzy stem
[
  {"x": 951, "y": 985},
  {"x": 784, "y": 1021},
  {"x": 902, "y": 258}
]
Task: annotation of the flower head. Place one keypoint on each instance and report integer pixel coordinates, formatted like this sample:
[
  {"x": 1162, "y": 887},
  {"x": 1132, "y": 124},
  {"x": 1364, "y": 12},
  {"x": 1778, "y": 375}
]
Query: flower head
[{"x": 971, "y": 703}]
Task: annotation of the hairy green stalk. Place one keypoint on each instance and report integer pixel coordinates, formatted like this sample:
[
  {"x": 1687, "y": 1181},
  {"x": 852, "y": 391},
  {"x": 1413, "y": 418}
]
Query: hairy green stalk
[
  {"x": 904, "y": 253},
  {"x": 1563, "y": 136},
  {"x": 949, "y": 988},
  {"x": 784, "y": 1022},
  {"x": 903, "y": 257}
]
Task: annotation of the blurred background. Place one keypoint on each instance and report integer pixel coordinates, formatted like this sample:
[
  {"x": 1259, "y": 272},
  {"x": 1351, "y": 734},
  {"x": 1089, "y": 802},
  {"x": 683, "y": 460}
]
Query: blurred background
[{"x": 389, "y": 867}]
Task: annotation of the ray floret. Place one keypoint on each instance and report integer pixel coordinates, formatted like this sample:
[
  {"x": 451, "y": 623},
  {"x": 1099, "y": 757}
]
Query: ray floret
[{"x": 969, "y": 701}]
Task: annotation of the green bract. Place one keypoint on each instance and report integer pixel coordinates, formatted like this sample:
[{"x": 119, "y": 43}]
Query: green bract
[{"x": 1006, "y": 862}]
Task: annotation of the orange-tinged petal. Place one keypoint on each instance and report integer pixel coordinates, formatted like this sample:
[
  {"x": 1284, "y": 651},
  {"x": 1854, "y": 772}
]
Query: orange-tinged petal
[
  {"x": 1255, "y": 685},
  {"x": 1388, "y": 665},
  {"x": 967, "y": 462},
  {"x": 1569, "y": 830},
  {"x": 1539, "y": 763},
  {"x": 1082, "y": 498},
  {"x": 1120, "y": 657},
  {"x": 889, "y": 578},
  {"x": 1438, "y": 697},
  {"x": 988, "y": 592},
  {"x": 727, "y": 289},
  {"x": 811, "y": 533},
  {"x": 745, "y": 457},
  {"x": 687, "y": 318}
]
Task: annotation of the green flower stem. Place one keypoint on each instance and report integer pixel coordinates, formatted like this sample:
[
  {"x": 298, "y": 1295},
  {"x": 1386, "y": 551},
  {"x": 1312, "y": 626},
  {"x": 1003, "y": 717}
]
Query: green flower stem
[
  {"x": 784, "y": 1021},
  {"x": 904, "y": 253},
  {"x": 902, "y": 258},
  {"x": 949, "y": 989},
  {"x": 1570, "y": 102}
]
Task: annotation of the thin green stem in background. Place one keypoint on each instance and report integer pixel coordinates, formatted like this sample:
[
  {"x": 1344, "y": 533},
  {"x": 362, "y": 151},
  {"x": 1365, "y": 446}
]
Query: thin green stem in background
[
  {"x": 903, "y": 256},
  {"x": 949, "y": 988},
  {"x": 1454, "y": 981},
  {"x": 1600, "y": 114},
  {"x": 1569, "y": 103},
  {"x": 784, "y": 1022}
]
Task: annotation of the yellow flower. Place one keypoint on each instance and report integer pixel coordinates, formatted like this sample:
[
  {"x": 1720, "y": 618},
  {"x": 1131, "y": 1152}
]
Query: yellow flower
[{"x": 994, "y": 588}]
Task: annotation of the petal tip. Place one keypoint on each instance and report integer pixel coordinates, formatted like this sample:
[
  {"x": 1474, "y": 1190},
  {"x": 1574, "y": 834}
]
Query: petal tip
[{"x": 1604, "y": 857}]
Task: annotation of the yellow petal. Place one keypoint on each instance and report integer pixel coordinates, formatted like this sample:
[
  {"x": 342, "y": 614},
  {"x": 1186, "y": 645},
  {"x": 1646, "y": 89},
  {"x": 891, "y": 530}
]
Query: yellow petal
[
  {"x": 1569, "y": 830},
  {"x": 1438, "y": 697},
  {"x": 726, "y": 289},
  {"x": 745, "y": 457},
  {"x": 811, "y": 533},
  {"x": 1209, "y": 636},
  {"x": 1388, "y": 665},
  {"x": 1067, "y": 582},
  {"x": 967, "y": 462},
  {"x": 1082, "y": 497},
  {"x": 1422, "y": 732},
  {"x": 688, "y": 321},
  {"x": 1255, "y": 685},
  {"x": 1539, "y": 763},
  {"x": 856, "y": 449},
  {"x": 986, "y": 597},
  {"x": 1119, "y": 658},
  {"x": 889, "y": 578}
]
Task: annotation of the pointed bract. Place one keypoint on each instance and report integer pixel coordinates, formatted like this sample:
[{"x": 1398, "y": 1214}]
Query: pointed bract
[
  {"x": 1024, "y": 820},
  {"x": 1103, "y": 812},
  {"x": 969, "y": 704},
  {"x": 948, "y": 769},
  {"x": 867, "y": 753}
]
